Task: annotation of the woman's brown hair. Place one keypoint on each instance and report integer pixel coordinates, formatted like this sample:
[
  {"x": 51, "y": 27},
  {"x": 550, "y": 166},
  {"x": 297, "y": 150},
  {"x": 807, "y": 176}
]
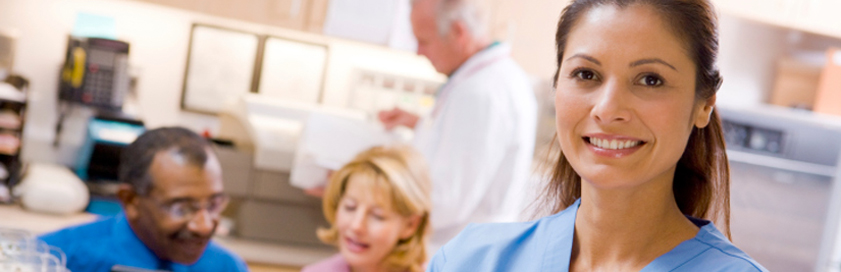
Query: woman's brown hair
[{"x": 701, "y": 183}]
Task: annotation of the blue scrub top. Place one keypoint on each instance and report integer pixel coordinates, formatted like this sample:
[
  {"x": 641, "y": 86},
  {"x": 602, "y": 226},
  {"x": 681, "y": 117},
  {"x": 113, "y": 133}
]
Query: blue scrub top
[
  {"x": 98, "y": 246},
  {"x": 546, "y": 244}
]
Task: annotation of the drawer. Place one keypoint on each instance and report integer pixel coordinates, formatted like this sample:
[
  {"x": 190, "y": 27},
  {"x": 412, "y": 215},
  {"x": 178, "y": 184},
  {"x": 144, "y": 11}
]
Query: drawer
[
  {"x": 236, "y": 170},
  {"x": 271, "y": 185},
  {"x": 280, "y": 222}
]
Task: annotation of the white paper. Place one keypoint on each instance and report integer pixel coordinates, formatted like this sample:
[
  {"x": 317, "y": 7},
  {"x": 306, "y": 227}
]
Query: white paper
[
  {"x": 276, "y": 141},
  {"x": 329, "y": 142},
  {"x": 361, "y": 20},
  {"x": 221, "y": 67},
  {"x": 292, "y": 71}
]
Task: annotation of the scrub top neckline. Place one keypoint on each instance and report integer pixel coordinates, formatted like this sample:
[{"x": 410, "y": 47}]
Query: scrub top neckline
[{"x": 559, "y": 248}]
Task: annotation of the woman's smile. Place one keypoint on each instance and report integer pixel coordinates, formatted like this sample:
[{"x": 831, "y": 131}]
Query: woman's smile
[
  {"x": 355, "y": 246},
  {"x": 612, "y": 146}
]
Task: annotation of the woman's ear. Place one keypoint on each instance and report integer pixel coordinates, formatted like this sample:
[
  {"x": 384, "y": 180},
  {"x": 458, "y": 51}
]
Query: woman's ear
[
  {"x": 703, "y": 114},
  {"x": 410, "y": 227},
  {"x": 129, "y": 198}
]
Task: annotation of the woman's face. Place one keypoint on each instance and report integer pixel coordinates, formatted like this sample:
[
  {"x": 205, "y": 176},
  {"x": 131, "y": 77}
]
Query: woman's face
[
  {"x": 368, "y": 230},
  {"x": 625, "y": 98}
]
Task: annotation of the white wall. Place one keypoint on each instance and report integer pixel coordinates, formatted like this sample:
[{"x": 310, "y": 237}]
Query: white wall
[{"x": 159, "y": 38}]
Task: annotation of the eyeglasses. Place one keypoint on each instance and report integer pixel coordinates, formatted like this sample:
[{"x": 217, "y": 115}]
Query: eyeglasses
[{"x": 183, "y": 210}]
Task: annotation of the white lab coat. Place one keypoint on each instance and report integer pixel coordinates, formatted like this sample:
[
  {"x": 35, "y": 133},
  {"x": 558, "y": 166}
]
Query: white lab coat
[{"x": 479, "y": 144}]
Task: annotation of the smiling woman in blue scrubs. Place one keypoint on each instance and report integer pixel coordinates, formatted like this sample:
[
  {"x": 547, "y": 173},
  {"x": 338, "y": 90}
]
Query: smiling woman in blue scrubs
[{"x": 642, "y": 166}]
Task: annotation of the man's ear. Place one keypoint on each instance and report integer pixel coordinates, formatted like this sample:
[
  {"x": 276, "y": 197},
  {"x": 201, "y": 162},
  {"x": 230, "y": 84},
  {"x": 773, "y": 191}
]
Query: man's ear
[
  {"x": 129, "y": 198},
  {"x": 459, "y": 34},
  {"x": 410, "y": 227}
]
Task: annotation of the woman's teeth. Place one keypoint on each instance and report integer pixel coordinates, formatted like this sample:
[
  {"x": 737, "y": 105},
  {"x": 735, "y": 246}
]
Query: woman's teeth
[
  {"x": 613, "y": 144},
  {"x": 358, "y": 244}
]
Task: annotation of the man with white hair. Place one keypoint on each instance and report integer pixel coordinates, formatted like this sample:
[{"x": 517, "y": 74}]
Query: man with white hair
[{"x": 479, "y": 138}]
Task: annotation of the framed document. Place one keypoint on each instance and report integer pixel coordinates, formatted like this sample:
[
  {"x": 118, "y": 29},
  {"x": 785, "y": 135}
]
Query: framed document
[
  {"x": 292, "y": 70},
  {"x": 220, "y": 66}
]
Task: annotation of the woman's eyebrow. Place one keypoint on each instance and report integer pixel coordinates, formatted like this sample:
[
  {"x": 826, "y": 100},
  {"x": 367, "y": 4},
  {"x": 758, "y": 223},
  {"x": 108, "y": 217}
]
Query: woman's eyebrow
[
  {"x": 586, "y": 57},
  {"x": 653, "y": 60}
]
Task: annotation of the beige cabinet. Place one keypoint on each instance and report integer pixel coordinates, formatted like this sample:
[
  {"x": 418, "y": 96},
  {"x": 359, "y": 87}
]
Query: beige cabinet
[
  {"x": 529, "y": 25},
  {"x": 816, "y": 16},
  {"x": 306, "y": 15},
  {"x": 823, "y": 17}
]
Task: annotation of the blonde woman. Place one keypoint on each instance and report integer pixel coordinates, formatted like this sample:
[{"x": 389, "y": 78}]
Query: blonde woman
[{"x": 378, "y": 207}]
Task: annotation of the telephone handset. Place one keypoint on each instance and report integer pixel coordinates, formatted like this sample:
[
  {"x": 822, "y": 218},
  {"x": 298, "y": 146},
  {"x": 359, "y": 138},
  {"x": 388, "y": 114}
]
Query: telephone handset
[{"x": 95, "y": 72}]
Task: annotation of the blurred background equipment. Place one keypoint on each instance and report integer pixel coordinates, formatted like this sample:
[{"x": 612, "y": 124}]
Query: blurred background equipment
[
  {"x": 12, "y": 116},
  {"x": 53, "y": 189},
  {"x": 13, "y": 90},
  {"x": 266, "y": 134},
  {"x": 95, "y": 72},
  {"x": 108, "y": 133},
  {"x": 21, "y": 251},
  {"x": 784, "y": 197}
]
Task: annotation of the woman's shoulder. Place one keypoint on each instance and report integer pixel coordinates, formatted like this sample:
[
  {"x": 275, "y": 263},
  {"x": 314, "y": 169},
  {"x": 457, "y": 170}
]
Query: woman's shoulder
[
  {"x": 485, "y": 247},
  {"x": 714, "y": 252},
  {"x": 336, "y": 263}
]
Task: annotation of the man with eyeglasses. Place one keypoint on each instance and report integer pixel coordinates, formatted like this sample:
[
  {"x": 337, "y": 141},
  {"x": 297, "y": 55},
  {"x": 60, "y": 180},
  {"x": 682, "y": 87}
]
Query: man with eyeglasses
[{"x": 172, "y": 197}]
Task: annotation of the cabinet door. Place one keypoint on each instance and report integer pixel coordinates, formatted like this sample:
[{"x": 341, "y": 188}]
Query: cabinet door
[
  {"x": 776, "y": 12},
  {"x": 530, "y": 26},
  {"x": 823, "y": 17},
  {"x": 294, "y": 14},
  {"x": 817, "y": 16}
]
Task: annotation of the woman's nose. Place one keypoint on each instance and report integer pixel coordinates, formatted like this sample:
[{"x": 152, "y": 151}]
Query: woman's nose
[
  {"x": 358, "y": 221},
  {"x": 611, "y": 103}
]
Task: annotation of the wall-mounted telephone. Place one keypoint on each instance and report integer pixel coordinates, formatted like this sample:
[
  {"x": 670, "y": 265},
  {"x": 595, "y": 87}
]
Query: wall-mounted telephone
[{"x": 95, "y": 72}]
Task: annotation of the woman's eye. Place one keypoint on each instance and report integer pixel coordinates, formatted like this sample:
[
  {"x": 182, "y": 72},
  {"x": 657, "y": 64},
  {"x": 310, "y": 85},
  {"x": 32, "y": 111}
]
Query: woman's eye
[
  {"x": 651, "y": 80},
  {"x": 584, "y": 74},
  {"x": 349, "y": 207}
]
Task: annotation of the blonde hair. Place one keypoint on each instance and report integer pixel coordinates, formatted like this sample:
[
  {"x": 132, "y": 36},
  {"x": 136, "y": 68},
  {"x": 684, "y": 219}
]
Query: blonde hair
[{"x": 401, "y": 177}]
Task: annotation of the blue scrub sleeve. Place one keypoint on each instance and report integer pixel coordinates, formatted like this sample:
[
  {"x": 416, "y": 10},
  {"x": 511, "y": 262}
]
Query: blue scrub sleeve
[{"x": 437, "y": 262}]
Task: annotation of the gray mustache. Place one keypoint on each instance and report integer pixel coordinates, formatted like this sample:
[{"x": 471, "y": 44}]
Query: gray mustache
[{"x": 185, "y": 234}]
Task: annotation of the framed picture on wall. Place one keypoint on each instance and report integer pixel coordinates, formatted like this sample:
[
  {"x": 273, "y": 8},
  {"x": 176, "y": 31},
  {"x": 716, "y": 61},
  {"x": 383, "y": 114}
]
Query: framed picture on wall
[
  {"x": 292, "y": 70},
  {"x": 220, "y": 67}
]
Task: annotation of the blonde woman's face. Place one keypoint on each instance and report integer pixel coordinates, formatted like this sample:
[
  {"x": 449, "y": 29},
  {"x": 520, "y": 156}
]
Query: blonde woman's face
[
  {"x": 625, "y": 98},
  {"x": 368, "y": 231}
]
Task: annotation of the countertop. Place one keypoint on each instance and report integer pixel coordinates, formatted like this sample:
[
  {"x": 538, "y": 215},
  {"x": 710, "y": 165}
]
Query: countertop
[{"x": 15, "y": 217}]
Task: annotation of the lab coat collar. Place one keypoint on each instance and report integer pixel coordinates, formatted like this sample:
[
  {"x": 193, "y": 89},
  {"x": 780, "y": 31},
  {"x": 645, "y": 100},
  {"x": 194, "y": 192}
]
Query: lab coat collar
[{"x": 494, "y": 51}]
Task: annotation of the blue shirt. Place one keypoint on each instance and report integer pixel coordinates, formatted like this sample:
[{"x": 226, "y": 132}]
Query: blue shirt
[
  {"x": 546, "y": 244},
  {"x": 98, "y": 246}
]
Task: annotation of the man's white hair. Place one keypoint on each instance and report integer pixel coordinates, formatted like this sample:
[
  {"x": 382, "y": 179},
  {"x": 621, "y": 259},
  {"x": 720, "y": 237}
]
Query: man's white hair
[{"x": 473, "y": 13}]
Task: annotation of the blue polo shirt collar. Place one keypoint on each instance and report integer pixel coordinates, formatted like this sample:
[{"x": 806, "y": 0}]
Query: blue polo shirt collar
[{"x": 128, "y": 244}]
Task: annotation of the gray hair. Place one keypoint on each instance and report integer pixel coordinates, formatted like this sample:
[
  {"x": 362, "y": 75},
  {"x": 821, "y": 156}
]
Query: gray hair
[
  {"x": 472, "y": 13},
  {"x": 137, "y": 158}
]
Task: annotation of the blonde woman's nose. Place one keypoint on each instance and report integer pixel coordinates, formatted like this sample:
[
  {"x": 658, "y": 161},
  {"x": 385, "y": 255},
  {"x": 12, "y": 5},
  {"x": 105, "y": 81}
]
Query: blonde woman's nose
[{"x": 358, "y": 220}]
